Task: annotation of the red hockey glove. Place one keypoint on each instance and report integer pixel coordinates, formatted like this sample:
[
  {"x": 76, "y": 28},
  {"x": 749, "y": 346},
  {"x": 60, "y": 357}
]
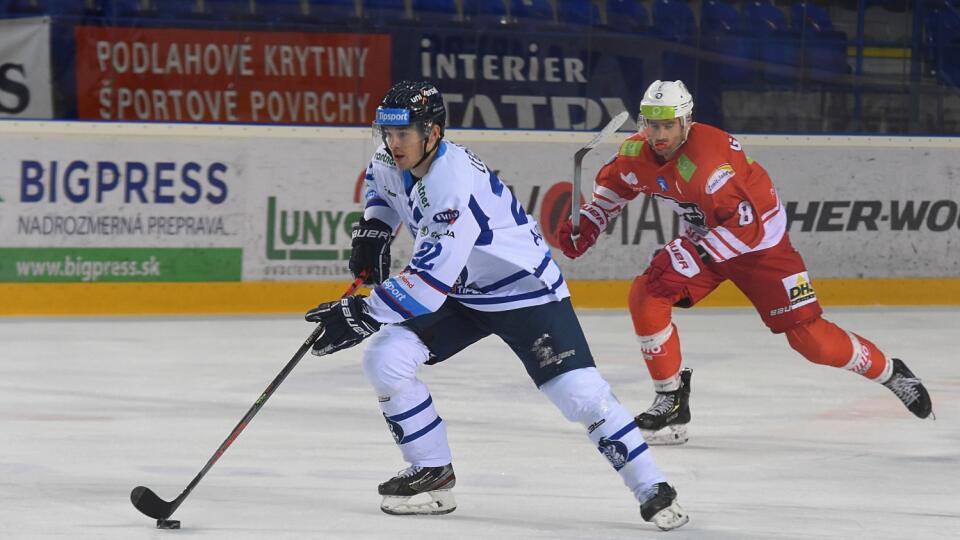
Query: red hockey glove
[
  {"x": 592, "y": 220},
  {"x": 672, "y": 267}
]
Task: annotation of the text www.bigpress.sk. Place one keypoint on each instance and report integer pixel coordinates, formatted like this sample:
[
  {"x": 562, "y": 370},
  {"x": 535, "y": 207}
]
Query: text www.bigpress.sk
[{"x": 77, "y": 267}]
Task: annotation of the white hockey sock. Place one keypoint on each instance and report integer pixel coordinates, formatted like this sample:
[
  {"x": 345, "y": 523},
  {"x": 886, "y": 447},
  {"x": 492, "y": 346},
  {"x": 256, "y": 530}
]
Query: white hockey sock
[
  {"x": 417, "y": 429},
  {"x": 584, "y": 396}
]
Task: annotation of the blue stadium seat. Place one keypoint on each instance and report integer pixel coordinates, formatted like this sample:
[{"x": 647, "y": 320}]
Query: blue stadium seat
[
  {"x": 237, "y": 10},
  {"x": 826, "y": 51},
  {"x": 532, "y": 11},
  {"x": 55, "y": 7},
  {"x": 718, "y": 16},
  {"x": 436, "y": 11},
  {"x": 742, "y": 52},
  {"x": 483, "y": 12},
  {"x": 578, "y": 12},
  {"x": 627, "y": 16},
  {"x": 285, "y": 10},
  {"x": 949, "y": 71},
  {"x": 779, "y": 47},
  {"x": 384, "y": 12},
  {"x": 334, "y": 10},
  {"x": 720, "y": 26},
  {"x": 941, "y": 25},
  {"x": 807, "y": 16},
  {"x": 780, "y": 52},
  {"x": 178, "y": 9},
  {"x": 761, "y": 18},
  {"x": 131, "y": 8},
  {"x": 673, "y": 20}
]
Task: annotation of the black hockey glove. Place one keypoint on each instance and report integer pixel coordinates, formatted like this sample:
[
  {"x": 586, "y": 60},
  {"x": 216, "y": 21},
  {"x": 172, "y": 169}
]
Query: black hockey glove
[
  {"x": 371, "y": 250},
  {"x": 345, "y": 323}
]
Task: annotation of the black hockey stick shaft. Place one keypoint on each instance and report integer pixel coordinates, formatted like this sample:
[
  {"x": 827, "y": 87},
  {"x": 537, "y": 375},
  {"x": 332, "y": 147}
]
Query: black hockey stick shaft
[
  {"x": 147, "y": 502},
  {"x": 612, "y": 126}
]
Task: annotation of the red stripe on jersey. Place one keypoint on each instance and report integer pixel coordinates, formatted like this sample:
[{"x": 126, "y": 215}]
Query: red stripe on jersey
[
  {"x": 713, "y": 251},
  {"x": 725, "y": 243}
]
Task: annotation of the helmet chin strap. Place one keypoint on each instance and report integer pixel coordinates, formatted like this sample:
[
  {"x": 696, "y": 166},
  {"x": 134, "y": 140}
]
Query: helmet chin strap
[{"x": 426, "y": 153}]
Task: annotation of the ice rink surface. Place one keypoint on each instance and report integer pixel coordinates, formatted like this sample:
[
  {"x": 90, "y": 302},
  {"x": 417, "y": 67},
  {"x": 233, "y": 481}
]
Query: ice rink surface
[{"x": 780, "y": 448}]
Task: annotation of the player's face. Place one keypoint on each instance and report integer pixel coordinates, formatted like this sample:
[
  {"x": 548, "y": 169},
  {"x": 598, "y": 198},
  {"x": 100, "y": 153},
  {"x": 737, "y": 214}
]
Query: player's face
[
  {"x": 665, "y": 136},
  {"x": 405, "y": 143}
]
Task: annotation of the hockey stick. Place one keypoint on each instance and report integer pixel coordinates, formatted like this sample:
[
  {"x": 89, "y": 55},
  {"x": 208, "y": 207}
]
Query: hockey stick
[
  {"x": 607, "y": 130},
  {"x": 146, "y": 501}
]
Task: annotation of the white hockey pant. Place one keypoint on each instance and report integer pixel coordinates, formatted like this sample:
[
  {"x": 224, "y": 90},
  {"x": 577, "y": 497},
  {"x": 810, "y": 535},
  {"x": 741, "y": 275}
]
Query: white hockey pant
[
  {"x": 583, "y": 396},
  {"x": 390, "y": 362}
]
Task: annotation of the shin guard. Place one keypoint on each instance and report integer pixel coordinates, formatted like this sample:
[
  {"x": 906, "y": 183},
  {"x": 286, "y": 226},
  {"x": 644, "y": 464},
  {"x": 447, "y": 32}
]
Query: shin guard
[{"x": 583, "y": 396}]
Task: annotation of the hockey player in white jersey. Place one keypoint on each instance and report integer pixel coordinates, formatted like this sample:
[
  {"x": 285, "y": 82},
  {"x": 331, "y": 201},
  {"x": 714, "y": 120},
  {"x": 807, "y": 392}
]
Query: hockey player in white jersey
[{"x": 480, "y": 266}]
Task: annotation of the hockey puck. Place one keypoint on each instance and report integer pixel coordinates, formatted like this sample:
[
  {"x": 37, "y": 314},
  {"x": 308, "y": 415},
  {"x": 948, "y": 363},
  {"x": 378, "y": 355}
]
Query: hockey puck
[{"x": 168, "y": 524}]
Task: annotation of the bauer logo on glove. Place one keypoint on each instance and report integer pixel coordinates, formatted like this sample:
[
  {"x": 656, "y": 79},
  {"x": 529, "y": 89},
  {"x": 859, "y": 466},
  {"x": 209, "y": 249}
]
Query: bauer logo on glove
[
  {"x": 371, "y": 251},
  {"x": 346, "y": 323},
  {"x": 683, "y": 261}
]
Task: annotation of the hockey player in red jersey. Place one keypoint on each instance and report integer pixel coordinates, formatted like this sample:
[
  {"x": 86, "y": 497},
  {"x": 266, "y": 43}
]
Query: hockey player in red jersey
[{"x": 733, "y": 227}]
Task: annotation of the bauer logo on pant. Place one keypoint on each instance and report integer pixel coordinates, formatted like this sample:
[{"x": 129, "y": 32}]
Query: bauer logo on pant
[{"x": 799, "y": 290}]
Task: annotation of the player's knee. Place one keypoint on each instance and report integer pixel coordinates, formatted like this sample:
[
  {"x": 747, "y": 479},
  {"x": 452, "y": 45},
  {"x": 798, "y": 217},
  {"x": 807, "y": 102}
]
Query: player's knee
[
  {"x": 391, "y": 359},
  {"x": 638, "y": 294},
  {"x": 649, "y": 313},
  {"x": 582, "y": 395},
  {"x": 808, "y": 341}
]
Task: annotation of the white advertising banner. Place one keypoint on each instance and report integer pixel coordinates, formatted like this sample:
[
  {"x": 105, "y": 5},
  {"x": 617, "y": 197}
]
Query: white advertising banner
[
  {"x": 214, "y": 203},
  {"x": 25, "y": 90}
]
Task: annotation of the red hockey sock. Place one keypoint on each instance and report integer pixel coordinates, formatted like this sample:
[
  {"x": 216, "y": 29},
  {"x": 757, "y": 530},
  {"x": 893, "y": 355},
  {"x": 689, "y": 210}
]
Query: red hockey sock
[
  {"x": 659, "y": 340},
  {"x": 822, "y": 342}
]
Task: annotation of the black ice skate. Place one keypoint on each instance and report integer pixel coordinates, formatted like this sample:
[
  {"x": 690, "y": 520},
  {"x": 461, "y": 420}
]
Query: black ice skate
[
  {"x": 662, "y": 509},
  {"x": 909, "y": 389},
  {"x": 665, "y": 422},
  {"x": 419, "y": 490}
]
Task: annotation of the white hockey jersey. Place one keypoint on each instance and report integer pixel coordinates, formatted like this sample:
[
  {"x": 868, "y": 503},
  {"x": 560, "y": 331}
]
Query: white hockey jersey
[{"x": 473, "y": 241}]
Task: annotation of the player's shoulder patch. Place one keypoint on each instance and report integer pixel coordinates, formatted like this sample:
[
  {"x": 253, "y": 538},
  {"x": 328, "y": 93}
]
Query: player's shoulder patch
[
  {"x": 631, "y": 147},
  {"x": 448, "y": 216},
  {"x": 686, "y": 167},
  {"x": 718, "y": 178}
]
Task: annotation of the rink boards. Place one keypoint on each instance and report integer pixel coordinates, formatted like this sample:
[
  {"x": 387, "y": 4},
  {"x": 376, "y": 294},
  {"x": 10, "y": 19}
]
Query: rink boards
[{"x": 100, "y": 218}]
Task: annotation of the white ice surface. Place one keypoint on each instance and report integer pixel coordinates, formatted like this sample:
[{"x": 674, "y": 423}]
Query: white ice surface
[{"x": 780, "y": 448}]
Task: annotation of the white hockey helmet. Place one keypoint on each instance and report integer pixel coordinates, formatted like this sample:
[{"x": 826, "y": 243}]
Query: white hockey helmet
[{"x": 665, "y": 100}]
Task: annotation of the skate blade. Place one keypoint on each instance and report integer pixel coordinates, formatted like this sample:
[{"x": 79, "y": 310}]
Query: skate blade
[
  {"x": 431, "y": 503},
  {"x": 670, "y": 517},
  {"x": 668, "y": 436}
]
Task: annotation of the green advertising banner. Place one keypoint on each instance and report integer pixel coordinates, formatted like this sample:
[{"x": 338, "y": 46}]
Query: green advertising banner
[{"x": 90, "y": 265}]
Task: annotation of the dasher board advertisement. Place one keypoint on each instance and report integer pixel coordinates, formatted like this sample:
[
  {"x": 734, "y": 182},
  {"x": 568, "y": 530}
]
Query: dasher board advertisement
[
  {"x": 161, "y": 74},
  {"x": 25, "y": 68}
]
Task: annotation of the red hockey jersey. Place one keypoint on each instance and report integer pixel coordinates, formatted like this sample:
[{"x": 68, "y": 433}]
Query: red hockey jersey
[{"x": 726, "y": 201}]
